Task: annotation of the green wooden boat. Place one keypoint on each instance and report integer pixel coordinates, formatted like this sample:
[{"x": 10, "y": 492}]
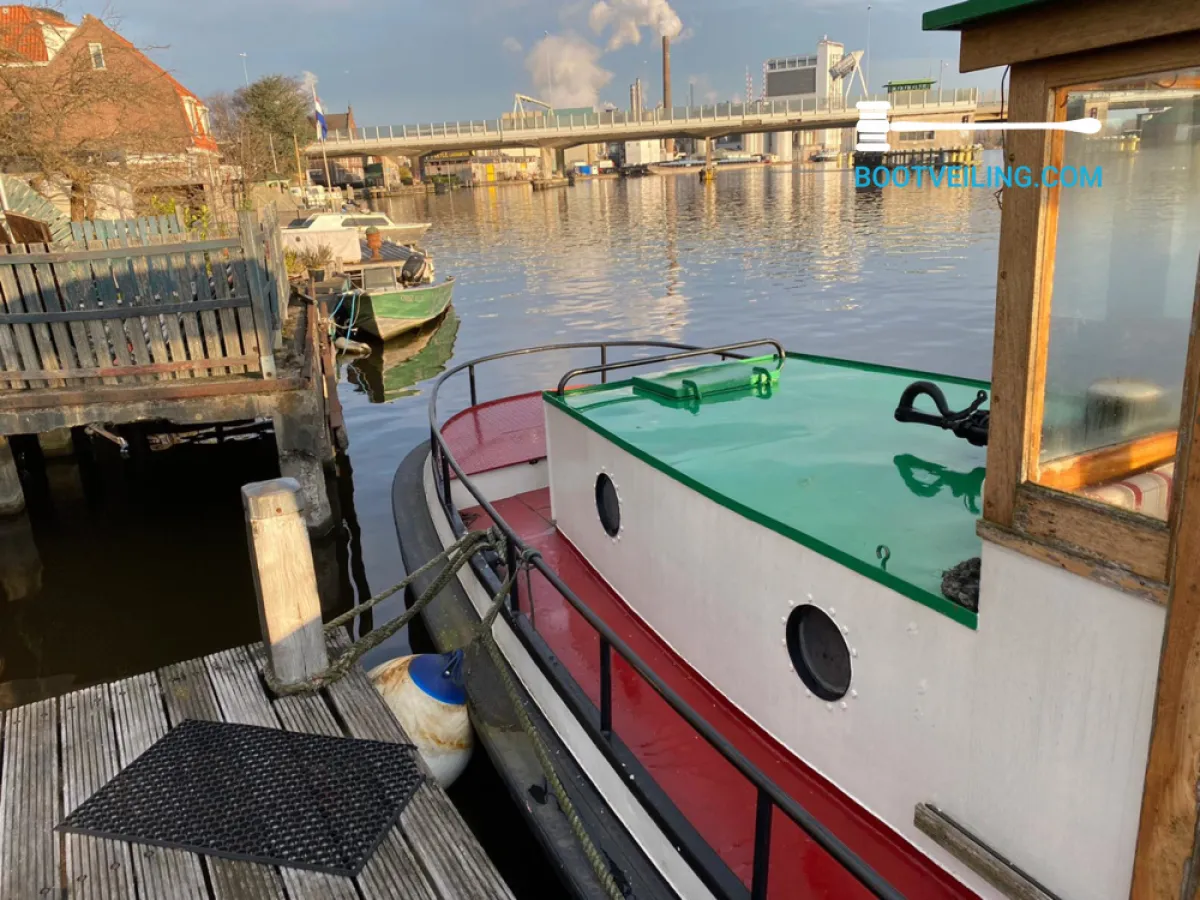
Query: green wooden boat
[
  {"x": 388, "y": 305},
  {"x": 394, "y": 370}
]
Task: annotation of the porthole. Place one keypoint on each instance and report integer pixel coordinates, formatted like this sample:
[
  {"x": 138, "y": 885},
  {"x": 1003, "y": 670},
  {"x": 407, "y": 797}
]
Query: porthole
[
  {"x": 819, "y": 652},
  {"x": 608, "y": 505}
]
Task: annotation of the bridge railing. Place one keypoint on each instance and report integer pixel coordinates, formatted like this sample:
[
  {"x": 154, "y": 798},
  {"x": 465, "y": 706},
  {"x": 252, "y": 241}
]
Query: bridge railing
[{"x": 719, "y": 112}]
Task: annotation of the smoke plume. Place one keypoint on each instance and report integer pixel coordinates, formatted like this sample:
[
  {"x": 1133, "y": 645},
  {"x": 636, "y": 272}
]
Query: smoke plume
[
  {"x": 566, "y": 71},
  {"x": 627, "y": 18}
]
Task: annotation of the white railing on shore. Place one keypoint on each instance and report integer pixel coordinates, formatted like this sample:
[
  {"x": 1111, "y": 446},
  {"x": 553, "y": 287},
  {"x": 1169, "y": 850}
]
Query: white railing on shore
[{"x": 715, "y": 113}]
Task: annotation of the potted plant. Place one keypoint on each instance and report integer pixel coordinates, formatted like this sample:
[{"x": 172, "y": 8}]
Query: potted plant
[{"x": 317, "y": 259}]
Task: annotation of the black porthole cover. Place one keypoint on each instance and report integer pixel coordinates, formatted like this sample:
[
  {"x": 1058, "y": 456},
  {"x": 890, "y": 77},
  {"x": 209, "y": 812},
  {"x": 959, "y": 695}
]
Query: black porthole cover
[
  {"x": 818, "y": 652},
  {"x": 608, "y": 505}
]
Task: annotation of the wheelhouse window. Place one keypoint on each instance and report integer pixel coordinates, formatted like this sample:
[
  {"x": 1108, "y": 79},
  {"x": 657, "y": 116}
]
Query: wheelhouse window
[
  {"x": 1123, "y": 241},
  {"x": 97, "y": 53}
]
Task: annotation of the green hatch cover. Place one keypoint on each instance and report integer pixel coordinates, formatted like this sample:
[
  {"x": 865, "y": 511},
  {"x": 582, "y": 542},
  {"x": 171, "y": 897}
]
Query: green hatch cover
[
  {"x": 701, "y": 381},
  {"x": 960, "y": 15}
]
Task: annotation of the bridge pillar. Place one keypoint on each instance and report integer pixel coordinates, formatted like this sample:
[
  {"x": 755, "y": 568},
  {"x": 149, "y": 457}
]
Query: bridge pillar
[
  {"x": 548, "y": 159},
  {"x": 418, "y": 167},
  {"x": 709, "y": 172}
]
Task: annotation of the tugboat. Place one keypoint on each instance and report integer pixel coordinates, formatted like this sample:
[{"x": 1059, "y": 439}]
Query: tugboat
[{"x": 799, "y": 627}]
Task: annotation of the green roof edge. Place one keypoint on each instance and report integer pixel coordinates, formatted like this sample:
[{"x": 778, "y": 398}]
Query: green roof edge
[{"x": 957, "y": 15}]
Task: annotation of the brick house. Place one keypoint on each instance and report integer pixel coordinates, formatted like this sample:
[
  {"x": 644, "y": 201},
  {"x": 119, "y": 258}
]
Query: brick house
[{"x": 75, "y": 92}]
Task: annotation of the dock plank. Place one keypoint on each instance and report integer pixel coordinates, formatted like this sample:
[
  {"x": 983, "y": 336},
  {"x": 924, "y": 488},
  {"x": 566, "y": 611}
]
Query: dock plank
[
  {"x": 392, "y": 872},
  {"x": 452, "y": 857},
  {"x": 162, "y": 873},
  {"x": 189, "y": 694},
  {"x": 55, "y": 754},
  {"x": 96, "y": 868},
  {"x": 29, "y": 802},
  {"x": 310, "y": 715}
]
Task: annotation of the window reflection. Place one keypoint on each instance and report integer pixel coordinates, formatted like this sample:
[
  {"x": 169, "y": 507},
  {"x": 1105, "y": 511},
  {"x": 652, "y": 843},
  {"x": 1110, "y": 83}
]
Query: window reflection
[{"x": 1124, "y": 266}]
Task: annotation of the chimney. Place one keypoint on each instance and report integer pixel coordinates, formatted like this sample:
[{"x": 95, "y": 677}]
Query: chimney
[{"x": 669, "y": 143}]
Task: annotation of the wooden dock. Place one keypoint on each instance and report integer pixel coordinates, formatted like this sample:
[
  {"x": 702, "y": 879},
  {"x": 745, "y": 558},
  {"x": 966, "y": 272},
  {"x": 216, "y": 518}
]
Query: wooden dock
[
  {"x": 142, "y": 321},
  {"x": 58, "y": 752}
]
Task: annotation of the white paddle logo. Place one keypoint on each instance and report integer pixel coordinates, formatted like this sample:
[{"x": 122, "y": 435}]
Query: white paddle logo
[{"x": 873, "y": 126}]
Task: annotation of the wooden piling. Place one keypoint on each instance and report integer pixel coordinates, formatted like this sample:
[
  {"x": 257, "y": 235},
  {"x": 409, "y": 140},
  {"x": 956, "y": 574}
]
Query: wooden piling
[
  {"x": 285, "y": 581},
  {"x": 57, "y": 444},
  {"x": 12, "y": 498}
]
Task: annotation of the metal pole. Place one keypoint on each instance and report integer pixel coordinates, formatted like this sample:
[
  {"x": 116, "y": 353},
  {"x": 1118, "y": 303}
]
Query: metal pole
[
  {"x": 245, "y": 71},
  {"x": 867, "y": 53},
  {"x": 301, "y": 171},
  {"x": 762, "y": 846},
  {"x": 549, "y": 73},
  {"x": 471, "y": 376},
  {"x": 605, "y": 686}
]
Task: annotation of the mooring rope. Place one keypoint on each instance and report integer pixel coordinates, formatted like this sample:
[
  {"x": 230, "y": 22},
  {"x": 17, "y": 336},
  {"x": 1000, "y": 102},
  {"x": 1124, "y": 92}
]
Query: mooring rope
[{"x": 454, "y": 557}]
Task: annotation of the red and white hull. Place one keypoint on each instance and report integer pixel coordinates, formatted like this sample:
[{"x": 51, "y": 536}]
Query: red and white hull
[{"x": 1019, "y": 745}]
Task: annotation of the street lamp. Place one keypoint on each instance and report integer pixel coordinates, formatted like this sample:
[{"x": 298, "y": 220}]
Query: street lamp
[
  {"x": 867, "y": 53},
  {"x": 549, "y": 70},
  {"x": 245, "y": 71}
]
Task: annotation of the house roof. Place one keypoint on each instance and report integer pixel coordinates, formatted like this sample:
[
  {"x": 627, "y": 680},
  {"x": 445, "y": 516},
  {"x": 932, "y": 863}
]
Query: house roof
[
  {"x": 960, "y": 15},
  {"x": 21, "y": 31}
]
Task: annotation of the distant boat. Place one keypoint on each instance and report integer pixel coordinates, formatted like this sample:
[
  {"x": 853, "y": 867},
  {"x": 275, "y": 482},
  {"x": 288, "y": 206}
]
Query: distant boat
[
  {"x": 401, "y": 232},
  {"x": 394, "y": 369},
  {"x": 394, "y": 296},
  {"x": 824, "y": 156}
]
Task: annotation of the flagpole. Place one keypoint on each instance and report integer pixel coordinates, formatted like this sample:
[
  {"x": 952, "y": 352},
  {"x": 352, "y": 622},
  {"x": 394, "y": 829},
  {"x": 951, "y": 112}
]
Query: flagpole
[{"x": 321, "y": 138}]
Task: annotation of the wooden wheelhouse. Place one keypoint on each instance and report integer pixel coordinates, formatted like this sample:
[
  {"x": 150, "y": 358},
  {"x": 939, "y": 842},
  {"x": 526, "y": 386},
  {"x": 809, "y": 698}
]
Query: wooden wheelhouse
[{"x": 1094, "y": 458}]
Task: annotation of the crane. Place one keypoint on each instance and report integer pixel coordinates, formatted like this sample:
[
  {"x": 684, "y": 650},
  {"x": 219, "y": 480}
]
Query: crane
[{"x": 520, "y": 99}]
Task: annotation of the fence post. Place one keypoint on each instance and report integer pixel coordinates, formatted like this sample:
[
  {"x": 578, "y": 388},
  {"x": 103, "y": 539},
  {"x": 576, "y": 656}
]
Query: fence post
[
  {"x": 285, "y": 580},
  {"x": 252, "y": 253}
]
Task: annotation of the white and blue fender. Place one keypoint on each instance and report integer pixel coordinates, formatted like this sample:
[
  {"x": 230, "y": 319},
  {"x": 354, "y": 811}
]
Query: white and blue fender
[{"x": 425, "y": 692}]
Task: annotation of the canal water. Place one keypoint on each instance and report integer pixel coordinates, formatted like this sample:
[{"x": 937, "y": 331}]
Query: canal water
[{"x": 125, "y": 565}]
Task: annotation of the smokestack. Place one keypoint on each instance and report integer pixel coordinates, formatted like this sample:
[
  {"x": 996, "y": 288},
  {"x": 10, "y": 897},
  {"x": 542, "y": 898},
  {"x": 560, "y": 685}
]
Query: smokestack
[{"x": 669, "y": 143}]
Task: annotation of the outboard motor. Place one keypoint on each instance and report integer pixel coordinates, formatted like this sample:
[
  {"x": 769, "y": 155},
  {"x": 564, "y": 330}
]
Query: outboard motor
[{"x": 417, "y": 270}]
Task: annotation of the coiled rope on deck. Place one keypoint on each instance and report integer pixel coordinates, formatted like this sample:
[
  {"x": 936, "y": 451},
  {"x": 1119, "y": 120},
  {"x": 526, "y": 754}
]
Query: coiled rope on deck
[{"x": 453, "y": 558}]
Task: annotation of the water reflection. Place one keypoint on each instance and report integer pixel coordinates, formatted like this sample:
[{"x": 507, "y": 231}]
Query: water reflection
[
  {"x": 395, "y": 368},
  {"x": 926, "y": 479}
]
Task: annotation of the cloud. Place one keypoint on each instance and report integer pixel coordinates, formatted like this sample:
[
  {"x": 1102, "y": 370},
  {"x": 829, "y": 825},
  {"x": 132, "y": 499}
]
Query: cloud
[
  {"x": 566, "y": 71},
  {"x": 512, "y": 45},
  {"x": 627, "y": 18}
]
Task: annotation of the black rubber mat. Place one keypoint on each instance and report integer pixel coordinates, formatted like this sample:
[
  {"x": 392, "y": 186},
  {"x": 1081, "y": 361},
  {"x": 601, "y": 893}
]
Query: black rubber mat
[{"x": 238, "y": 791}]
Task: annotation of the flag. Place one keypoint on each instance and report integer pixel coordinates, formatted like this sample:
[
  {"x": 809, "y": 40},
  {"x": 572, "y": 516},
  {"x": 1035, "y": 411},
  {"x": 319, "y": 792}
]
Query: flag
[{"x": 322, "y": 128}]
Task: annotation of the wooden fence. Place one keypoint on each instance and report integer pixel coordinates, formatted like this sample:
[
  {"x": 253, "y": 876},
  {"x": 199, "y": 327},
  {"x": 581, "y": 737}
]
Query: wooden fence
[{"x": 142, "y": 301}]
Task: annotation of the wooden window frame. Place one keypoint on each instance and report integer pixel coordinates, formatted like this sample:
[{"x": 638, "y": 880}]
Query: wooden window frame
[{"x": 1107, "y": 544}]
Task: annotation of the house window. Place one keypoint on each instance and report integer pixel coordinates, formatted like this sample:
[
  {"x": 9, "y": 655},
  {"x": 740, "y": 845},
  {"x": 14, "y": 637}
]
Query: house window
[
  {"x": 1123, "y": 282},
  {"x": 97, "y": 52}
]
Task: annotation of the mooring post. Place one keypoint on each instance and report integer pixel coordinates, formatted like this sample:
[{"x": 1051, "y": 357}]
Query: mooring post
[
  {"x": 12, "y": 498},
  {"x": 285, "y": 581}
]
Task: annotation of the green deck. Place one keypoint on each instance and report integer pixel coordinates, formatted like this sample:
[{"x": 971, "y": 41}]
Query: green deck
[{"x": 819, "y": 459}]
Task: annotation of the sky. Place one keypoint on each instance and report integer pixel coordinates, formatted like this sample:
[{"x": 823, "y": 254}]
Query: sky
[{"x": 446, "y": 60}]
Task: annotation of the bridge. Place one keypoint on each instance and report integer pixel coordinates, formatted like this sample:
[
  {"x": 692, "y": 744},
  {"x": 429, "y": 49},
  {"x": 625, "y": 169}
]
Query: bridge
[{"x": 700, "y": 122}]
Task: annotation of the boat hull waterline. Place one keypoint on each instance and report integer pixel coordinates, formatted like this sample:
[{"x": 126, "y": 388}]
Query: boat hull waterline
[{"x": 389, "y": 315}]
